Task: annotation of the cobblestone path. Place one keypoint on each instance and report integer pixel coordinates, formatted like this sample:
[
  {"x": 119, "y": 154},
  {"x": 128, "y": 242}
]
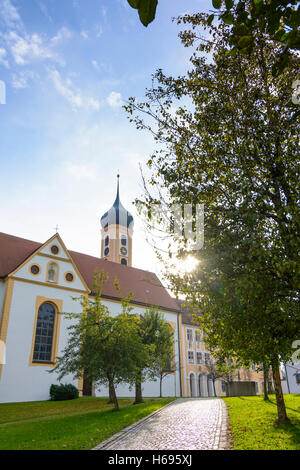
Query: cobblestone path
[{"x": 186, "y": 424}]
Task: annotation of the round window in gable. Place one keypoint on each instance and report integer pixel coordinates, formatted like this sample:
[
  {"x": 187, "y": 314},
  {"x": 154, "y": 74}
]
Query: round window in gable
[
  {"x": 69, "y": 277},
  {"x": 54, "y": 249},
  {"x": 35, "y": 269}
]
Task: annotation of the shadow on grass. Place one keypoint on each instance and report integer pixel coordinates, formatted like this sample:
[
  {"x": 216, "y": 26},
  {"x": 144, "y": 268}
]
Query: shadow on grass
[
  {"x": 273, "y": 402},
  {"x": 292, "y": 429}
]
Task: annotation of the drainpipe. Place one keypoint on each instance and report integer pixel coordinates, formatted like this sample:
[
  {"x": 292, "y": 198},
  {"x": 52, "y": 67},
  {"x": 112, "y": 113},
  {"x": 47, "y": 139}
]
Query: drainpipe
[{"x": 179, "y": 346}]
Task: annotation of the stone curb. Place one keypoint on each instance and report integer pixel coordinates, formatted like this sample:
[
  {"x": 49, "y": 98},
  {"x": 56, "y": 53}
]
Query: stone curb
[
  {"x": 223, "y": 430},
  {"x": 121, "y": 434}
]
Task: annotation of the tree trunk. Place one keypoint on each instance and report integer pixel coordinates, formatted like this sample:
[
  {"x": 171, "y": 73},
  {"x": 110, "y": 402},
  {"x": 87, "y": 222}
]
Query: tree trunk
[
  {"x": 138, "y": 388},
  {"x": 266, "y": 382},
  {"x": 112, "y": 392},
  {"x": 160, "y": 386},
  {"x": 214, "y": 386},
  {"x": 281, "y": 411}
]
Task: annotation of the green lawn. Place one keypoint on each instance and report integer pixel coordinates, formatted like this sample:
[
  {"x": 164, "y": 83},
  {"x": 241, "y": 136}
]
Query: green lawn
[
  {"x": 76, "y": 424},
  {"x": 253, "y": 423}
]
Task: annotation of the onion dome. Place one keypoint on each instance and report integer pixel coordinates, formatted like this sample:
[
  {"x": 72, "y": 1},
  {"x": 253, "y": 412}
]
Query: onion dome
[{"x": 117, "y": 214}]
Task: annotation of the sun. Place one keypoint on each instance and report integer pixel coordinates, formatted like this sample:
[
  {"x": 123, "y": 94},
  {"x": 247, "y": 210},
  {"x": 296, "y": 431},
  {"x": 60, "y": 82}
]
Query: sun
[{"x": 186, "y": 265}]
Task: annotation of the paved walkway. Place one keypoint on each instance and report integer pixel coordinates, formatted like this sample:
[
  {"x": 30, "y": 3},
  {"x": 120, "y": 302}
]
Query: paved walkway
[{"x": 186, "y": 424}]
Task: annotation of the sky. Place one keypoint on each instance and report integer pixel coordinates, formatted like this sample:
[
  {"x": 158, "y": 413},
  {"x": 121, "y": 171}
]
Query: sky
[{"x": 68, "y": 66}]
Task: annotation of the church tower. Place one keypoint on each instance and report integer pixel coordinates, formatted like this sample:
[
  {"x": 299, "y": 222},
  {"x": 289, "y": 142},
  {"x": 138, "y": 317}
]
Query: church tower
[{"x": 116, "y": 233}]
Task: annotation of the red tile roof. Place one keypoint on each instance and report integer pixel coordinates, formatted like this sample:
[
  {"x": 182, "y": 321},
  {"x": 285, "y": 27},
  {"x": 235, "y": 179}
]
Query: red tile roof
[{"x": 145, "y": 286}]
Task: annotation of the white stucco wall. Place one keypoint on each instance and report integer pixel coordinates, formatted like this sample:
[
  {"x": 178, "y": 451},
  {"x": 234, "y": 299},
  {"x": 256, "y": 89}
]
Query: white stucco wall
[
  {"x": 42, "y": 261},
  {"x": 21, "y": 381},
  {"x": 290, "y": 385},
  {"x": 171, "y": 383}
]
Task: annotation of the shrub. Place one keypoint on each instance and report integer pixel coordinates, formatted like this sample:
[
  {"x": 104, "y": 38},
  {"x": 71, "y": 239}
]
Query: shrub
[{"x": 63, "y": 392}]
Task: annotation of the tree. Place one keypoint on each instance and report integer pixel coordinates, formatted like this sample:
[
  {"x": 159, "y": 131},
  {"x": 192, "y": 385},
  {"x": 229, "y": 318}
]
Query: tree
[
  {"x": 164, "y": 371},
  {"x": 280, "y": 18},
  {"x": 106, "y": 350},
  {"x": 218, "y": 368},
  {"x": 157, "y": 335},
  {"x": 235, "y": 148}
]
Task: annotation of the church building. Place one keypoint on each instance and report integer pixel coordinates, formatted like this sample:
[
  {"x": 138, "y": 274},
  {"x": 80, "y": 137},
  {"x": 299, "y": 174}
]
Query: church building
[{"x": 38, "y": 281}]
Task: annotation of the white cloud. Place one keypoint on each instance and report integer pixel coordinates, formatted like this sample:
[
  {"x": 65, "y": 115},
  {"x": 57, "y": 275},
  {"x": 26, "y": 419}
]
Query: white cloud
[
  {"x": 99, "y": 31},
  {"x": 71, "y": 94},
  {"x": 25, "y": 47},
  {"x": 103, "y": 12},
  {"x": 62, "y": 34},
  {"x": 28, "y": 48},
  {"x": 3, "y": 55},
  {"x": 114, "y": 99},
  {"x": 95, "y": 64},
  {"x": 84, "y": 34},
  {"x": 44, "y": 10},
  {"x": 20, "y": 80},
  {"x": 9, "y": 14}
]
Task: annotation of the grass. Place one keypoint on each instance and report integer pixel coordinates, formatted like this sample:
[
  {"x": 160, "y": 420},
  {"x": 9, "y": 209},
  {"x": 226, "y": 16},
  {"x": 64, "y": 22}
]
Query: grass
[
  {"x": 253, "y": 423},
  {"x": 78, "y": 424}
]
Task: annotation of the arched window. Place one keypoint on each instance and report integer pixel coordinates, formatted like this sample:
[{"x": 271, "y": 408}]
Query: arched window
[
  {"x": 192, "y": 385},
  {"x": 124, "y": 261},
  {"x": 44, "y": 333},
  {"x": 201, "y": 385},
  {"x": 52, "y": 272},
  {"x": 106, "y": 242}
]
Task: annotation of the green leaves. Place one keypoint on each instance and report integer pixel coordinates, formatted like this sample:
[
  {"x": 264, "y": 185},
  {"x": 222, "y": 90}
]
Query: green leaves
[
  {"x": 146, "y": 9},
  {"x": 217, "y": 4},
  {"x": 234, "y": 147},
  {"x": 228, "y": 18}
]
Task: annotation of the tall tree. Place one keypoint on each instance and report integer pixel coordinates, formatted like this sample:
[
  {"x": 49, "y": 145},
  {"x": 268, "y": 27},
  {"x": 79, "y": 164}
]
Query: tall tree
[{"x": 229, "y": 138}]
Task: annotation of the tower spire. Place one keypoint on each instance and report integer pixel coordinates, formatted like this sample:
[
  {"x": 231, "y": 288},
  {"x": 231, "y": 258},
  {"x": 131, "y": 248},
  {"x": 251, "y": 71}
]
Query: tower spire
[
  {"x": 117, "y": 231},
  {"x": 118, "y": 187}
]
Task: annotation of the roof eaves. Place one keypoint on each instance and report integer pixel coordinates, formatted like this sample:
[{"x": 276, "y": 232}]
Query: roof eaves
[{"x": 137, "y": 302}]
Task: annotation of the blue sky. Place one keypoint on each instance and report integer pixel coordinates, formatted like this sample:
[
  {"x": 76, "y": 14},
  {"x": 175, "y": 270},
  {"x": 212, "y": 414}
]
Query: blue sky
[{"x": 68, "y": 66}]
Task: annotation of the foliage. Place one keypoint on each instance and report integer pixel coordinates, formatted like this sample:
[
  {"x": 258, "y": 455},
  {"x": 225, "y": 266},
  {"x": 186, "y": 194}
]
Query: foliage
[
  {"x": 218, "y": 368},
  {"x": 63, "y": 392},
  {"x": 106, "y": 349},
  {"x": 157, "y": 335},
  {"x": 228, "y": 133},
  {"x": 146, "y": 9},
  {"x": 278, "y": 18}
]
